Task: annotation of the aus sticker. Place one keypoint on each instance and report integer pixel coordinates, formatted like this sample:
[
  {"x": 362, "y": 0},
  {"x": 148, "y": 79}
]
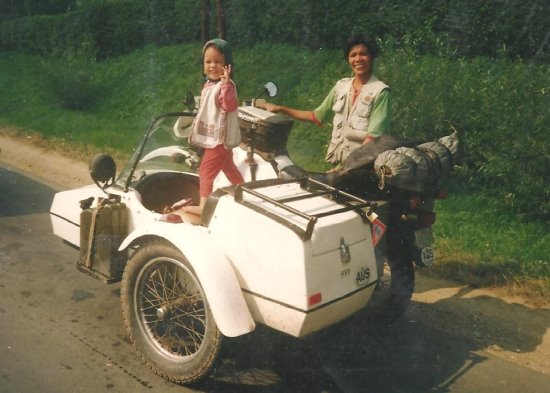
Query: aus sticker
[
  {"x": 378, "y": 230},
  {"x": 362, "y": 276}
]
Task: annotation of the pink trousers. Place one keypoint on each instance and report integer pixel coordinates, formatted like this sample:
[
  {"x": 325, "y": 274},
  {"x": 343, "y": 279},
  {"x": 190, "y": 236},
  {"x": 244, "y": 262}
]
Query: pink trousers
[{"x": 213, "y": 161}]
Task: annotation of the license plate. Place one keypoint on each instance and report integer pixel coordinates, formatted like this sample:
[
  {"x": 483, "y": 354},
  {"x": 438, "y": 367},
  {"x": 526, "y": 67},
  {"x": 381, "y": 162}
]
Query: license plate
[
  {"x": 423, "y": 238},
  {"x": 427, "y": 256}
]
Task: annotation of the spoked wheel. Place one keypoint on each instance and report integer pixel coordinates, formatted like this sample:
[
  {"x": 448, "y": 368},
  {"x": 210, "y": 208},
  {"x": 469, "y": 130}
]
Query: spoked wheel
[{"x": 167, "y": 315}]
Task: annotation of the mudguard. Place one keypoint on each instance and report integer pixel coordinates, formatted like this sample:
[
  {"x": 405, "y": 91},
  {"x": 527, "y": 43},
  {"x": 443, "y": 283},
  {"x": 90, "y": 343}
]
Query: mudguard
[{"x": 213, "y": 269}]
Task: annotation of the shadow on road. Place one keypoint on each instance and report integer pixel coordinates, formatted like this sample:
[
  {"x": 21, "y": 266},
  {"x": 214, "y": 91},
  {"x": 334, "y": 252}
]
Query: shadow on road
[
  {"x": 352, "y": 357},
  {"x": 355, "y": 356},
  {"x": 37, "y": 197}
]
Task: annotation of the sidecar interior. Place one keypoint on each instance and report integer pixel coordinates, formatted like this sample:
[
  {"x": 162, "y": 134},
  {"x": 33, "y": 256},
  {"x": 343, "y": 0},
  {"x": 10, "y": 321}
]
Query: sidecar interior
[{"x": 162, "y": 189}]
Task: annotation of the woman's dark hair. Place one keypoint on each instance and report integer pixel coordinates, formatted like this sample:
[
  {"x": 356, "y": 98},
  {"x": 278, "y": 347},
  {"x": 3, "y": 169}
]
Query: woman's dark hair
[{"x": 361, "y": 39}]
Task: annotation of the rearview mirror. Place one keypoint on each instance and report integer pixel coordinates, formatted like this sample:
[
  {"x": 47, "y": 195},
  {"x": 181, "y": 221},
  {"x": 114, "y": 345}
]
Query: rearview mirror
[
  {"x": 189, "y": 101},
  {"x": 102, "y": 169},
  {"x": 271, "y": 89}
]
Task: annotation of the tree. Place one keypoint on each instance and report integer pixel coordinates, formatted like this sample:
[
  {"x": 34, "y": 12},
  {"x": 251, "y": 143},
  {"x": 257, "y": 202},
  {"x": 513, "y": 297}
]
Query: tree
[
  {"x": 220, "y": 20},
  {"x": 205, "y": 25}
]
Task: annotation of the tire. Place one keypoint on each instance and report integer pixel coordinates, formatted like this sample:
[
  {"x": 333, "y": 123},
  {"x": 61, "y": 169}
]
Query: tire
[
  {"x": 393, "y": 293},
  {"x": 167, "y": 315}
]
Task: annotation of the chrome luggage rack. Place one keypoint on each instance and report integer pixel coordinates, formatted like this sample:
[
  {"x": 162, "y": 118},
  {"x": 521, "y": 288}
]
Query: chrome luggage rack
[{"x": 315, "y": 189}]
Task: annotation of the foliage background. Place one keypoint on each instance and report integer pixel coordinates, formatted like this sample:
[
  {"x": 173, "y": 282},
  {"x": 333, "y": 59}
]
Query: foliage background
[
  {"x": 479, "y": 67},
  {"x": 89, "y": 75},
  {"x": 456, "y": 28}
]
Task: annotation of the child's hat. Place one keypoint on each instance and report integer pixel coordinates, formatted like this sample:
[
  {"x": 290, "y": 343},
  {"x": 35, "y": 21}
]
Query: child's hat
[{"x": 223, "y": 47}]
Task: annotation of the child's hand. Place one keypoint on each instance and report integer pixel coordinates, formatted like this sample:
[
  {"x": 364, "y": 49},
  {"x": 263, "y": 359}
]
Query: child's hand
[{"x": 226, "y": 73}]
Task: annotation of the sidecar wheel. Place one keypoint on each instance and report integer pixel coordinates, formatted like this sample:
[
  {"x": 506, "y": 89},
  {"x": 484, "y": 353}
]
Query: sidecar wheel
[{"x": 167, "y": 315}]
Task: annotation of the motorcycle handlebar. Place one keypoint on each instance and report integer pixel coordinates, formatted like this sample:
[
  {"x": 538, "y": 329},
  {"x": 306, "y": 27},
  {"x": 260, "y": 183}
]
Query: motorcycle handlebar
[{"x": 258, "y": 103}]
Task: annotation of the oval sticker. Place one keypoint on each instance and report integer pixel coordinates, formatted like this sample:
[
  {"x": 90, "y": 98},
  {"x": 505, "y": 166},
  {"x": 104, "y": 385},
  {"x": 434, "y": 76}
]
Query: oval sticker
[{"x": 362, "y": 276}]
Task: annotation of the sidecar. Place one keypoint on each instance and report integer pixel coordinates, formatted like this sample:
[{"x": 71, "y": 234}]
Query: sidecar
[{"x": 294, "y": 255}]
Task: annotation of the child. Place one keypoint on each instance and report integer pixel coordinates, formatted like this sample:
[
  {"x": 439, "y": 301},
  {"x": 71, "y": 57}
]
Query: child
[{"x": 216, "y": 127}]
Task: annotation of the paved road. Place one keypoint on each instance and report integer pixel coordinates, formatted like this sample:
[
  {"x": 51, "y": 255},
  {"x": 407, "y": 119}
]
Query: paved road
[{"x": 61, "y": 331}]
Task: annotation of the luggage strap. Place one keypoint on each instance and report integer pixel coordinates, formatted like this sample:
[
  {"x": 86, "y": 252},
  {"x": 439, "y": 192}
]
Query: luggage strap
[{"x": 100, "y": 204}]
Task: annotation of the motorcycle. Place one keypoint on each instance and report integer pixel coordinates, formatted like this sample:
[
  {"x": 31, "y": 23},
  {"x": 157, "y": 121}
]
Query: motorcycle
[
  {"x": 405, "y": 202},
  {"x": 293, "y": 250}
]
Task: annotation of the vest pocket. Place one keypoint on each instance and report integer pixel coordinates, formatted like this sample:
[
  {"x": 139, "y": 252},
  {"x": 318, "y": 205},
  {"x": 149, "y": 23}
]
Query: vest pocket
[
  {"x": 362, "y": 109},
  {"x": 338, "y": 105},
  {"x": 359, "y": 119}
]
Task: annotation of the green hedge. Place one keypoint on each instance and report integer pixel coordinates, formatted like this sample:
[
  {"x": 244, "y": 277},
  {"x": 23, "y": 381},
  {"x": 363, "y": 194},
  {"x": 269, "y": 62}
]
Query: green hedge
[
  {"x": 456, "y": 28},
  {"x": 11, "y": 9},
  {"x": 433, "y": 63},
  {"x": 106, "y": 30},
  {"x": 500, "y": 109}
]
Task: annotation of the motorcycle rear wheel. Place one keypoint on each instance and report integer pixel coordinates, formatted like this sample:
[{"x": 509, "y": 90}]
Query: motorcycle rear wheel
[{"x": 393, "y": 293}]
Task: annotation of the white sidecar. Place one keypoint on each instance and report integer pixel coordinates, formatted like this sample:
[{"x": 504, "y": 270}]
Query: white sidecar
[{"x": 295, "y": 255}]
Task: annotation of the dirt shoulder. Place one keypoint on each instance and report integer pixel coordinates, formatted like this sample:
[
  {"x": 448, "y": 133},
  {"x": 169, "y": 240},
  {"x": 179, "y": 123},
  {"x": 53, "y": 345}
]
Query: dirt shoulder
[
  {"x": 25, "y": 154},
  {"x": 505, "y": 326}
]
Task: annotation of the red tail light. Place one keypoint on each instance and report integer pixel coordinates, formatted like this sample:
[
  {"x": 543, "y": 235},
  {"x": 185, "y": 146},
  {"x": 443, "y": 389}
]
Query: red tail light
[
  {"x": 441, "y": 194},
  {"x": 425, "y": 219},
  {"x": 414, "y": 203}
]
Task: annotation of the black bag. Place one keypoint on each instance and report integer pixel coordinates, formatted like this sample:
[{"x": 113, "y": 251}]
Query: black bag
[
  {"x": 365, "y": 155},
  {"x": 263, "y": 130}
]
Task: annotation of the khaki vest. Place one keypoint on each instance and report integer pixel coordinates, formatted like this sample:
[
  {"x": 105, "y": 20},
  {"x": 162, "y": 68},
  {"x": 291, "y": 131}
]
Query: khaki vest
[{"x": 351, "y": 122}]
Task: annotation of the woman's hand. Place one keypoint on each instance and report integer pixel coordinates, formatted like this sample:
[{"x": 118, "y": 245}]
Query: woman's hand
[
  {"x": 271, "y": 107},
  {"x": 294, "y": 113},
  {"x": 368, "y": 139}
]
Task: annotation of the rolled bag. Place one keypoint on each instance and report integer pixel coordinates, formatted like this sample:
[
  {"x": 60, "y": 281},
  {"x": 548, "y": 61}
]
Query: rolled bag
[{"x": 417, "y": 169}]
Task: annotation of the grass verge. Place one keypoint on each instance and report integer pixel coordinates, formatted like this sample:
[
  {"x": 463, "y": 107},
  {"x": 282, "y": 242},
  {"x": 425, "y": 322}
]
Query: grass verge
[
  {"x": 485, "y": 245},
  {"x": 107, "y": 106}
]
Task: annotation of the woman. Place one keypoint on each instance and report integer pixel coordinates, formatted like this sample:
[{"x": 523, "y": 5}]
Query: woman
[{"x": 360, "y": 105}]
